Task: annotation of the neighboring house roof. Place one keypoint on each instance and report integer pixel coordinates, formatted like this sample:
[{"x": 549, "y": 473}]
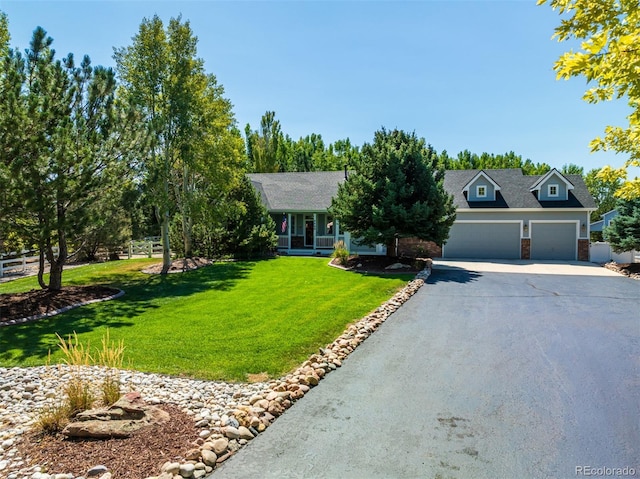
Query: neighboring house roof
[
  {"x": 516, "y": 190},
  {"x": 597, "y": 226},
  {"x": 605, "y": 221},
  {"x": 297, "y": 191}
]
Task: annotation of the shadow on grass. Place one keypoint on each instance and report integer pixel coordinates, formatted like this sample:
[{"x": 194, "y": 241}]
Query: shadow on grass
[
  {"x": 452, "y": 274},
  {"x": 142, "y": 293}
]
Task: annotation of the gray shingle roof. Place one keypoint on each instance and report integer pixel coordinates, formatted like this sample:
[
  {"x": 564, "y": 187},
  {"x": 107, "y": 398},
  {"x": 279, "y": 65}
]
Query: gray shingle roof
[
  {"x": 312, "y": 191},
  {"x": 515, "y": 190},
  {"x": 302, "y": 191}
]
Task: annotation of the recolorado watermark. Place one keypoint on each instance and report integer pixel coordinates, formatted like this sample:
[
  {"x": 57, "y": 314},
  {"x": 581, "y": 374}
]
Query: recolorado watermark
[{"x": 605, "y": 471}]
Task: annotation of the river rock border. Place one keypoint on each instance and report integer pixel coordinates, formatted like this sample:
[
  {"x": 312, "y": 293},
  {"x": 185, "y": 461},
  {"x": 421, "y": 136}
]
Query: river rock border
[
  {"x": 252, "y": 417},
  {"x": 228, "y": 415}
]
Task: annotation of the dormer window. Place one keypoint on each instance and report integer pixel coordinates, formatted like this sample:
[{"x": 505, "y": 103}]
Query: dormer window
[
  {"x": 481, "y": 188},
  {"x": 552, "y": 190}
]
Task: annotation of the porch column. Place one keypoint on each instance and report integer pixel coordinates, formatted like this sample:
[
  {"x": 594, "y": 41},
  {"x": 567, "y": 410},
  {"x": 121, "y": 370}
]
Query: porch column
[
  {"x": 336, "y": 230},
  {"x": 289, "y": 231},
  {"x": 315, "y": 230}
]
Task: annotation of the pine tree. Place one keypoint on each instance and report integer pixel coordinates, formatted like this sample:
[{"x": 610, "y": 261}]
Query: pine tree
[
  {"x": 623, "y": 233},
  {"x": 395, "y": 191},
  {"x": 61, "y": 135}
]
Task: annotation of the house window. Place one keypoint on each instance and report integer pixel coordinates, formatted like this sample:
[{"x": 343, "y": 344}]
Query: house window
[
  {"x": 553, "y": 190},
  {"x": 481, "y": 191}
]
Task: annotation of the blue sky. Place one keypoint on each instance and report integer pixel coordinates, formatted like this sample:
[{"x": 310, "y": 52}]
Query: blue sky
[{"x": 473, "y": 75}]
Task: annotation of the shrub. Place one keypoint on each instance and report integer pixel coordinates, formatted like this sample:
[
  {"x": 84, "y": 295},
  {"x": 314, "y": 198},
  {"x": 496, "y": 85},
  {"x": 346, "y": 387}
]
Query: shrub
[{"x": 340, "y": 252}]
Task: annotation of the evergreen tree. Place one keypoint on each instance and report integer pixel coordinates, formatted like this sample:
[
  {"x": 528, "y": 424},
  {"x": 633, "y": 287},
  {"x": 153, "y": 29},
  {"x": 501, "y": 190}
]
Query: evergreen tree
[
  {"x": 623, "y": 233},
  {"x": 395, "y": 191},
  {"x": 61, "y": 135}
]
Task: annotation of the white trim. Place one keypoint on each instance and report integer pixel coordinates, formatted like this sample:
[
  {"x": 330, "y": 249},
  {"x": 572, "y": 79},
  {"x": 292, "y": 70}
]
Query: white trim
[
  {"x": 483, "y": 195},
  {"x": 577, "y": 223},
  {"x": 522, "y": 210},
  {"x": 553, "y": 185},
  {"x": 537, "y": 184},
  {"x": 496, "y": 186}
]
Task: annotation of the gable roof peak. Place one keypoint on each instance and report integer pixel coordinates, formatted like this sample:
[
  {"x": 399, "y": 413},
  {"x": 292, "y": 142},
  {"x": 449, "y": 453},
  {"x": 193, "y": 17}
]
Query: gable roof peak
[
  {"x": 543, "y": 178},
  {"x": 479, "y": 174}
]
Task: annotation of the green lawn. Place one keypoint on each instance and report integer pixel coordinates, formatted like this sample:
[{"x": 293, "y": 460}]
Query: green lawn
[{"x": 219, "y": 322}]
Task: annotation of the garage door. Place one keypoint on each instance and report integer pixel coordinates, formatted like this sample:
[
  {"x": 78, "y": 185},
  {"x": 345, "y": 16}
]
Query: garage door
[
  {"x": 483, "y": 241},
  {"x": 553, "y": 241}
]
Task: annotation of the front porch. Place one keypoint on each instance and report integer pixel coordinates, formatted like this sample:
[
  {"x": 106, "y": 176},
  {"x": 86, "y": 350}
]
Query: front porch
[
  {"x": 314, "y": 233},
  {"x": 306, "y": 233}
]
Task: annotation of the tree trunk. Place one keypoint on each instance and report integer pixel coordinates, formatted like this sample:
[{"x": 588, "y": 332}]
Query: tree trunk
[
  {"x": 166, "y": 253},
  {"x": 55, "y": 276},
  {"x": 187, "y": 224},
  {"x": 41, "y": 268},
  {"x": 57, "y": 264},
  {"x": 392, "y": 248}
]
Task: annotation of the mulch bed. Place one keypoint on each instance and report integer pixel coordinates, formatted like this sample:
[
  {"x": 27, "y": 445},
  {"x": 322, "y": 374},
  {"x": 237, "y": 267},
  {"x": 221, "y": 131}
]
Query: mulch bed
[
  {"x": 377, "y": 264},
  {"x": 42, "y": 301},
  {"x": 180, "y": 265},
  {"x": 135, "y": 457}
]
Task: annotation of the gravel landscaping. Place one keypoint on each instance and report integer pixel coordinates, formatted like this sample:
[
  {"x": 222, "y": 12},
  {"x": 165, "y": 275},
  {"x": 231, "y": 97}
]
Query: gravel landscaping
[{"x": 225, "y": 416}]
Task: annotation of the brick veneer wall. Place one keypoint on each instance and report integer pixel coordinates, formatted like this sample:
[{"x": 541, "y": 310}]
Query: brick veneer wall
[
  {"x": 525, "y": 248},
  {"x": 414, "y": 247},
  {"x": 583, "y": 250}
]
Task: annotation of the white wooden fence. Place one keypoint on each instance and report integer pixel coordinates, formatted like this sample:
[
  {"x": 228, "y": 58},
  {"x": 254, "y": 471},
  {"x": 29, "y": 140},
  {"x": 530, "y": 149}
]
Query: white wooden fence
[
  {"x": 12, "y": 262},
  {"x": 147, "y": 247},
  {"x": 601, "y": 252}
]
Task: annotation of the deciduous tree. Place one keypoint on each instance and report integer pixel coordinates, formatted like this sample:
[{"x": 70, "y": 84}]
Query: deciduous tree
[
  {"x": 609, "y": 59},
  {"x": 603, "y": 192},
  {"x": 265, "y": 147},
  {"x": 195, "y": 146}
]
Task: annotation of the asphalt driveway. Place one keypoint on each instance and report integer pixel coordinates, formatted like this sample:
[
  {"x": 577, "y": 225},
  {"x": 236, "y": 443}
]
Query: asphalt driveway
[{"x": 483, "y": 373}]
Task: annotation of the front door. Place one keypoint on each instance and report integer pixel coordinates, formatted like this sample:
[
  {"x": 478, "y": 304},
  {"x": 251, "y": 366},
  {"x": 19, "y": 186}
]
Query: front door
[{"x": 308, "y": 232}]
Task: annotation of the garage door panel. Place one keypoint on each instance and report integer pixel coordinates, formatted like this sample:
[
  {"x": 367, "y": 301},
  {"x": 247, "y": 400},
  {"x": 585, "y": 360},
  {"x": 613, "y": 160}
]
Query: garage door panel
[
  {"x": 554, "y": 241},
  {"x": 483, "y": 241}
]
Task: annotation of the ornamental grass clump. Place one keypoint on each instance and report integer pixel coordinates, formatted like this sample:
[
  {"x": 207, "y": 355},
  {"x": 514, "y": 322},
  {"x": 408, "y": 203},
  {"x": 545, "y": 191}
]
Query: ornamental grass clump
[
  {"x": 111, "y": 356},
  {"x": 340, "y": 252},
  {"x": 52, "y": 419},
  {"x": 79, "y": 391}
]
